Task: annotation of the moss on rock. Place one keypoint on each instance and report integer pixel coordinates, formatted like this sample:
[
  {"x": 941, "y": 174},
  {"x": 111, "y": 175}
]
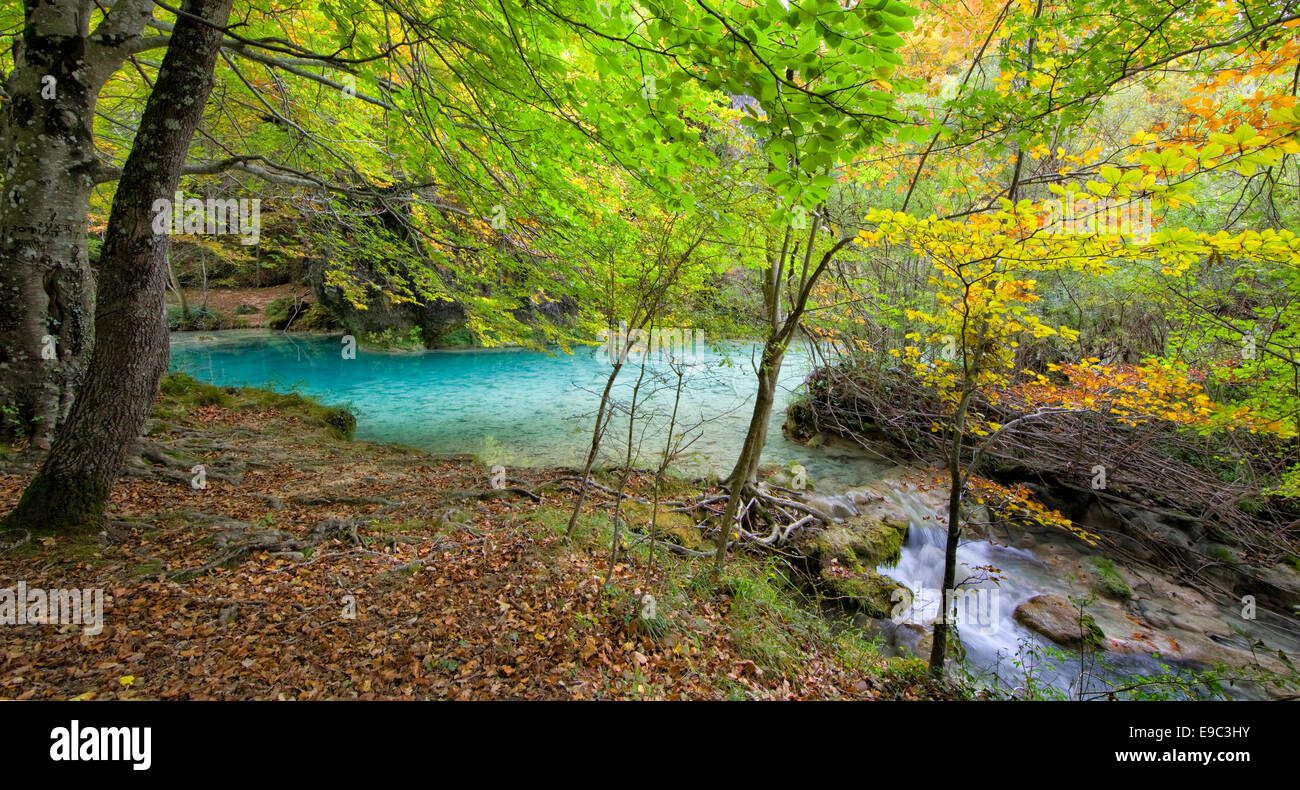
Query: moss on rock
[
  {"x": 277, "y": 313},
  {"x": 868, "y": 540},
  {"x": 1109, "y": 582},
  {"x": 679, "y": 527},
  {"x": 857, "y": 589}
]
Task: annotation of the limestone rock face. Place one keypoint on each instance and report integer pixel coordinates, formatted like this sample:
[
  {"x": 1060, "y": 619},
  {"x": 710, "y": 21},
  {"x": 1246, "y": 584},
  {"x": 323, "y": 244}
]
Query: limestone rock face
[{"x": 440, "y": 320}]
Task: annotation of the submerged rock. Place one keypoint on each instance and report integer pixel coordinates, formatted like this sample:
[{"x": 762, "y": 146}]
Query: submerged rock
[
  {"x": 794, "y": 477},
  {"x": 907, "y": 638}
]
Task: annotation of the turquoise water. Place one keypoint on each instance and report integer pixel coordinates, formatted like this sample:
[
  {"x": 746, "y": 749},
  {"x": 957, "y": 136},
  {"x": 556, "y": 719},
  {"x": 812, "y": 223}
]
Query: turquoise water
[
  {"x": 518, "y": 407},
  {"x": 531, "y": 409}
]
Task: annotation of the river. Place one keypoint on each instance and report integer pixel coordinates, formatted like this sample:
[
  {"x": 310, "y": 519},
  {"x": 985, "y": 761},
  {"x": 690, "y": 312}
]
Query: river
[{"x": 533, "y": 409}]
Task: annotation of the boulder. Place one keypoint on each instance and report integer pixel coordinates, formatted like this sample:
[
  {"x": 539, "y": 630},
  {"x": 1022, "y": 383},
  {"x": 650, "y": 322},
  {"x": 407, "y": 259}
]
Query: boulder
[
  {"x": 1059, "y": 620},
  {"x": 790, "y": 477},
  {"x": 871, "y": 540},
  {"x": 854, "y": 588}
]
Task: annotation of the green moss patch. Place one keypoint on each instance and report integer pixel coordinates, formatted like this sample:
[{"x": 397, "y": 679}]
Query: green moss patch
[
  {"x": 180, "y": 393},
  {"x": 866, "y": 540}
]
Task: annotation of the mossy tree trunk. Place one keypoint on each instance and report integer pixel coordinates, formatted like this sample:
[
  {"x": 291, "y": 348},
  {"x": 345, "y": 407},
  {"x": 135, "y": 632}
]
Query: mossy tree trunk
[
  {"x": 71, "y": 488},
  {"x": 49, "y": 169}
]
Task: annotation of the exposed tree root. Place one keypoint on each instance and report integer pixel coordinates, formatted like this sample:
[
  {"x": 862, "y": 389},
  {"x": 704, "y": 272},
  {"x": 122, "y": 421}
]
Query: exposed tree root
[
  {"x": 766, "y": 520},
  {"x": 496, "y": 493},
  {"x": 239, "y": 539}
]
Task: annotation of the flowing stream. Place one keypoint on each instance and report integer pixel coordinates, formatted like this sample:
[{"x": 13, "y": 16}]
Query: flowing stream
[
  {"x": 532, "y": 409},
  {"x": 995, "y": 578}
]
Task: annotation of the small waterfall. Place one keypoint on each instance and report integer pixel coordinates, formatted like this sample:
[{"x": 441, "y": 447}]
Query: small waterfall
[{"x": 993, "y": 579}]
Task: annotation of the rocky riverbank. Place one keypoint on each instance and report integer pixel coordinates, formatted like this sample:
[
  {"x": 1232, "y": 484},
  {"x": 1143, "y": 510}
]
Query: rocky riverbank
[{"x": 1100, "y": 600}]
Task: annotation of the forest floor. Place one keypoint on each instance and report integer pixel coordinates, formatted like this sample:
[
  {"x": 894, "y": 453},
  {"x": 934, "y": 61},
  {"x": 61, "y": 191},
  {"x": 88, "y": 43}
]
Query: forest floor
[
  {"x": 227, "y": 300},
  {"x": 314, "y": 567}
]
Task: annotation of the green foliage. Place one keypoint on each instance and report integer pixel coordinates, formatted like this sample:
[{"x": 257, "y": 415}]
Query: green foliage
[
  {"x": 393, "y": 340},
  {"x": 457, "y": 338},
  {"x": 9, "y": 413},
  {"x": 288, "y": 313},
  {"x": 1033, "y": 661},
  {"x": 278, "y": 312},
  {"x": 767, "y": 625},
  {"x": 1109, "y": 580},
  {"x": 317, "y": 318},
  {"x": 636, "y": 161}
]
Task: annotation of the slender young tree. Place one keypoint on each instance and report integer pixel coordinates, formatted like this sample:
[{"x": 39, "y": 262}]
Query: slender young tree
[
  {"x": 668, "y": 268},
  {"x": 782, "y": 323}
]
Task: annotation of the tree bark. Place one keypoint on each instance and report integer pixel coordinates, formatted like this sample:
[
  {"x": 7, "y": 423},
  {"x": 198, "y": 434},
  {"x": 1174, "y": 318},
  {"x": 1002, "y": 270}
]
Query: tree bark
[
  {"x": 783, "y": 328},
  {"x": 48, "y": 169},
  {"x": 769, "y": 372},
  {"x": 745, "y": 473},
  {"x": 49, "y": 162},
  {"x": 602, "y": 421},
  {"x": 71, "y": 488},
  {"x": 957, "y": 483}
]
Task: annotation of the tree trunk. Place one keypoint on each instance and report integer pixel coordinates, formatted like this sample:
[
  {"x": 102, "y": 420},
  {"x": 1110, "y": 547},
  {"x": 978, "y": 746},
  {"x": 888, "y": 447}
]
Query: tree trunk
[
  {"x": 939, "y": 647},
  {"x": 745, "y": 472},
  {"x": 602, "y": 421},
  {"x": 48, "y": 168},
  {"x": 782, "y": 330},
  {"x": 769, "y": 372},
  {"x": 627, "y": 473},
  {"x": 48, "y": 165},
  {"x": 71, "y": 488}
]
